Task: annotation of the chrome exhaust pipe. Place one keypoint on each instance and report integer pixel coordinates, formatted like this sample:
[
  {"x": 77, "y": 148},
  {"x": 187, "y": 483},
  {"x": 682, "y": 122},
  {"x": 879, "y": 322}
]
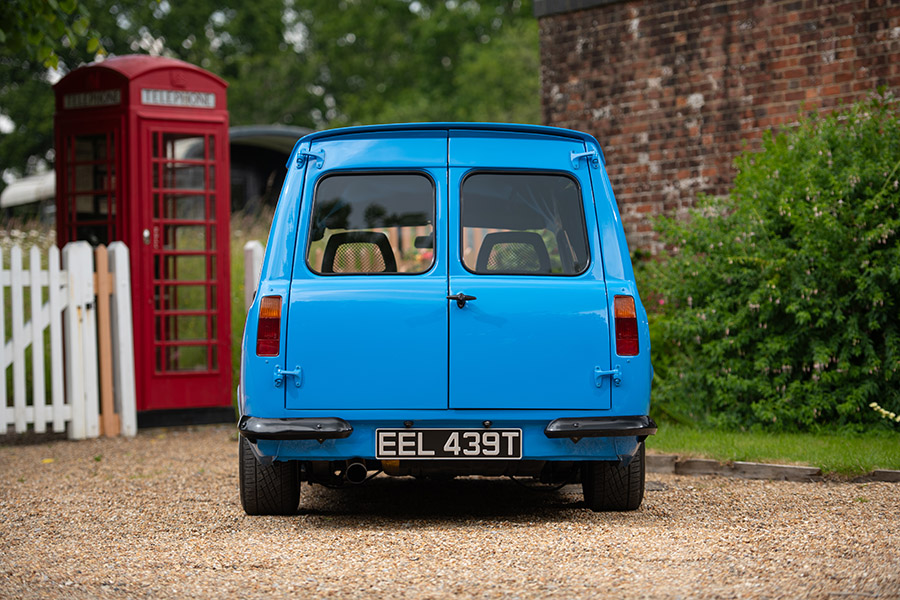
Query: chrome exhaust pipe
[{"x": 356, "y": 472}]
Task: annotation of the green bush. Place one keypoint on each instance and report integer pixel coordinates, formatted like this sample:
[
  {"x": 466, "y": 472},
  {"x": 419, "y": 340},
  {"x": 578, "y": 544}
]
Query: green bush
[{"x": 779, "y": 305}]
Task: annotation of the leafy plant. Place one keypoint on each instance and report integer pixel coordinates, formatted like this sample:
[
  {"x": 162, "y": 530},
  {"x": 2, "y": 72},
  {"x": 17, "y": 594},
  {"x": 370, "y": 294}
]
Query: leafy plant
[
  {"x": 778, "y": 305},
  {"x": 43, "y": 27}
]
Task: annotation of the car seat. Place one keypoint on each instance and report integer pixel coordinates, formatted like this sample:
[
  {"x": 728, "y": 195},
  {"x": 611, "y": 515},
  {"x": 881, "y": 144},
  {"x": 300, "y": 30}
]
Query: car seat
[
  {"x": 513, "y": 252},
  {"x": 359, "y": 252}
]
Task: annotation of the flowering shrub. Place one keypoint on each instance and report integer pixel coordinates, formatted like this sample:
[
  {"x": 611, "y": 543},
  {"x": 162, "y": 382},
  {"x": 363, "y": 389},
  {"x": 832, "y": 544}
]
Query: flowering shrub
[
  {"x": 779, "y": 305},
  {"x": 884, "y": 414},
  {"x": 36, "y": 235}
]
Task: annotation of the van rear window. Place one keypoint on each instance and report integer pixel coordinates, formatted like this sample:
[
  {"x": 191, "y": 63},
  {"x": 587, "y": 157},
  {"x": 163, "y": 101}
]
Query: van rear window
[
  {"x": 368, "y": 224},
  {"x": 523, "y": 224}
]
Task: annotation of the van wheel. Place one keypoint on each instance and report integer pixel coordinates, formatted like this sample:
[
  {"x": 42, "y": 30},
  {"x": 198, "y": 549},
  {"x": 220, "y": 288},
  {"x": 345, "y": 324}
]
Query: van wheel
[
  {"x": 272, "y": 490},
  {"x": 609, "y": 487}
]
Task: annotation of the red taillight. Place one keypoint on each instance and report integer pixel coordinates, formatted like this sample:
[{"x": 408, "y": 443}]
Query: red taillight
[
  {"x": 268, "y": 329},
  {"x": 626, "y": 327}
]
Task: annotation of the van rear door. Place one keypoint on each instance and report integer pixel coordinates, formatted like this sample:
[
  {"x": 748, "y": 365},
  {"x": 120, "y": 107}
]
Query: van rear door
[
  {"x": 367, "y": 317},
  {"x": 531, "y": 327}
]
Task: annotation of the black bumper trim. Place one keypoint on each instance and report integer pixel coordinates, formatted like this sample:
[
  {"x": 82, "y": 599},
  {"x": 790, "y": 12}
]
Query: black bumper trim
[
  {"x": 582, "y": 427},
  {"x": 316, "y": 428}
]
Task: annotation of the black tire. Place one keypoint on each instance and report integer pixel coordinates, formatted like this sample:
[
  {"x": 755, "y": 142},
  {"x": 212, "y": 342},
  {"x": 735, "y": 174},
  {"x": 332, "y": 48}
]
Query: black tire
[
  {"x": 272, "y": 490},
  {"x": 609, "y": 487}
]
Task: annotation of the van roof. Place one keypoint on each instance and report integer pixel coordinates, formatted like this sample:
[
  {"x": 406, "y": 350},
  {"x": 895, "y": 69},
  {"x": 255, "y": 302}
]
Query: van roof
[{"x": 498, "y": 127}]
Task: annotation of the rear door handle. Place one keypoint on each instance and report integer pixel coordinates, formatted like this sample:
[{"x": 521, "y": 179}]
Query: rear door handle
[{"x": 461, "y": 299}]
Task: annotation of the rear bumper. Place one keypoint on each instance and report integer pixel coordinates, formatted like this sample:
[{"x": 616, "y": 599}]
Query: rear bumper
[
  {"x": 352, "y": 435},
  {"x": 312, "y": 428},
  {"x": 583, "y": 427}
]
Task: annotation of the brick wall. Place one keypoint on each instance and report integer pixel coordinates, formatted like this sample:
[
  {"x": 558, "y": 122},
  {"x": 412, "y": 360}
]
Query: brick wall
[{"x": 673, "y": 89}]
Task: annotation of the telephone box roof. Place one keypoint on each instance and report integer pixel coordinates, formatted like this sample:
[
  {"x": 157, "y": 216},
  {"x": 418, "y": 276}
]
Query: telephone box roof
[{"x": 132, "y": 66}]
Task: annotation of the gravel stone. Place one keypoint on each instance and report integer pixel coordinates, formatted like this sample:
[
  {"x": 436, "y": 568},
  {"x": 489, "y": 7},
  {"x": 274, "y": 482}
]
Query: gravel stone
[{"x": 158, "y": 516}]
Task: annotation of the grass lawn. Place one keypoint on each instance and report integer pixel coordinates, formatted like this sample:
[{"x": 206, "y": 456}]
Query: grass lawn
[{"x": 835, "y": 453}]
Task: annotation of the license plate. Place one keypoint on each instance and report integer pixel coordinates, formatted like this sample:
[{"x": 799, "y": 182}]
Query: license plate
[{"x": 394, "y": 444}]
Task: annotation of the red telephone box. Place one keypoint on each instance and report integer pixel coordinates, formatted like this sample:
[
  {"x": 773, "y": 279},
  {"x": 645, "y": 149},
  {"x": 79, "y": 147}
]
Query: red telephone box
[{"x": 142, "y": 157}]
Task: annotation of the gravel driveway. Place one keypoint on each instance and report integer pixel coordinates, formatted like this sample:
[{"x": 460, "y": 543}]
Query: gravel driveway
[{"x": 159, "y": 517}]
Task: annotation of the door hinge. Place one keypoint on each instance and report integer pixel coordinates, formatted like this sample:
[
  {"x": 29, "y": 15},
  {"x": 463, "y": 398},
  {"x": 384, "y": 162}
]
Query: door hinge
[
  {"x": 616, "y": 375},
  {"x": 592, "y": 157},
  {"x": 319, "y": 155},
  {"x": 280, "y": 374}
]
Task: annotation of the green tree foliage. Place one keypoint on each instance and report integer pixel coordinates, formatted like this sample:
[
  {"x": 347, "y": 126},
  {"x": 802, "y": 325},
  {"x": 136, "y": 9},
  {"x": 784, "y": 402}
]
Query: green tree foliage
[
  {"x": 40, "y": 28},
  {"x": 33, "y": 36},
  {"x": 394, "y": 60},
  {"x": 313, "y": 63},
  {"x": 779, "y": 306}
]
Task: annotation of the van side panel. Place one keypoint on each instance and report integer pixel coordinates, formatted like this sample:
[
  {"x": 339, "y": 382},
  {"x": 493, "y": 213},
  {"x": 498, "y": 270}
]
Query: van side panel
[
  {"x": 632, "y": 396},
  {"x": 257, "y": 394}
]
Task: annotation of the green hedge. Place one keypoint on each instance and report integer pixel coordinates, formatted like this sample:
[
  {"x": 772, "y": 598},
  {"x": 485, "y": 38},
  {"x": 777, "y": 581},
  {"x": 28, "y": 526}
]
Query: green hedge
[{"x": 779, "y": 305}]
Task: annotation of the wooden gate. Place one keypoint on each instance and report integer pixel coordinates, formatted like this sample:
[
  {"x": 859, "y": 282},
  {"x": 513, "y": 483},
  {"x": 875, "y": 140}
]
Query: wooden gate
[{"x": 58, "y": 377}]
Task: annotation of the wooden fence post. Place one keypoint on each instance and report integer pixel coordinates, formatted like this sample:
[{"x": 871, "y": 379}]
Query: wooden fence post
[
  {"x": 39, "y": 393},
  {"x": 253, "y": 258},
  {"x": 89, "y": 347},
  {"x": 81, "y": 341},
  {"x": 4, "y": 360},
  {"x": 56, "y": 303},
  {"x": 109, "y": 420},
  {"x": 73, "y": 324},
  {"x": 123, "y": 338},
  {"x": 18, "y": 338}
]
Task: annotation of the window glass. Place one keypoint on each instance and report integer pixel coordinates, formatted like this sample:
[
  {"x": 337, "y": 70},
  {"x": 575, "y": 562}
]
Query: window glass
[
  {"x": 523, "y": 224},
  {"x": 372, "y": 223}
]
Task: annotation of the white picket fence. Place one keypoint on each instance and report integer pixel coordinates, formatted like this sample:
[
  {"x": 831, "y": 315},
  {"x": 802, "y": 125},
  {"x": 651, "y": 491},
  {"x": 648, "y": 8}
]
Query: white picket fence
[{"x": 70, "y": 361}]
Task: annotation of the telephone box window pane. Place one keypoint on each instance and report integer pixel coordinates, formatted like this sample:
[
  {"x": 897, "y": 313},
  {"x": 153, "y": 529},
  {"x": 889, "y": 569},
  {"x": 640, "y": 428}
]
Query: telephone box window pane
[
  {"x": 179, "y": 146},
  {"x": 211, "y": 215},
  {"x": 181, "y": 268},
  {"x": 212, "y": 237},
  {"x": 182, "y": 358},
  {"x": 180, "y": 176},
  {"x": 214, "y": 358},
  {"x": 212, "y": 177},
  {"x": 182, "y": 297},
  {"x": 211, "y": 153},
  {"x": 184, "y": 237},
  {"x": 188, "y": 207},
  {"x": 90, "y": 147},
  {"x": 212, "y": 297},
  {"x": 92, "y": 177},
  {"x": 92, "y": 207},
  {"x": 84, "y": 179},
  {"x": 192, "y": 358},
  {"x": 93, "y": 234},
  {"x": 180, "y": 328},
  {"x": 155, "y": 144}
]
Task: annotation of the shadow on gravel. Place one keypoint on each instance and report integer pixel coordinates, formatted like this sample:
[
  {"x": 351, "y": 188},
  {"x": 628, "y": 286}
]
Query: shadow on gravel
[{"x": 462, "y": 499}]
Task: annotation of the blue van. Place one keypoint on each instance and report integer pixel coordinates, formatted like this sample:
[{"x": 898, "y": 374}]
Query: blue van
[{"x": 440, "y": 300}]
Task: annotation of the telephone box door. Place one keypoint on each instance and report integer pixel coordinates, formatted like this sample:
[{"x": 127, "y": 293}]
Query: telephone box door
[{"x": 186, "y": 347}]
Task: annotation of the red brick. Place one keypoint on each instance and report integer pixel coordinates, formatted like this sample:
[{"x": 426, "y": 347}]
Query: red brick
[{"x": 799, "y": 52}]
